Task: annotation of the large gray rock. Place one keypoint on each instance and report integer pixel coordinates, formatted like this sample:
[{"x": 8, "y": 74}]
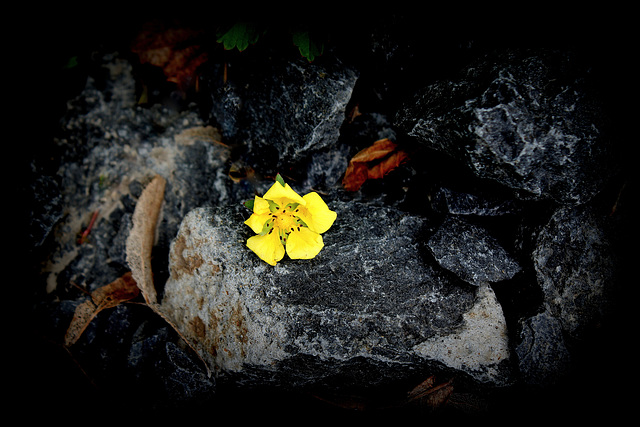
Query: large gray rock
[
  {"x": 281, "y": 112},
  {"x": 373, "y": 306},
  {"x": 527, "y": 120},
  {"x": 576, "y": 268}
]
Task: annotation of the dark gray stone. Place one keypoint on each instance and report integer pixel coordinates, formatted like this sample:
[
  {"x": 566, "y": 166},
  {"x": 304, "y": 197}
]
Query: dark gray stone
[
  {"x": 308, "y": 101},
  {"x": 576, "y": 268},
  {"x": 543, "y": 358},
  {"x": 527, "y": 120},
  {"x": 470, "y": 252},
  {"x": 453, "y": 202},
  {"x": 370, "y": 301}
]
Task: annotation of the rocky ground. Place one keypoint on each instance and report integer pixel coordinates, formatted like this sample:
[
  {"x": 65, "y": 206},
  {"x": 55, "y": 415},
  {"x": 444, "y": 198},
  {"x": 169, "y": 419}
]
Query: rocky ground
[{"x": 494, "y": 259}]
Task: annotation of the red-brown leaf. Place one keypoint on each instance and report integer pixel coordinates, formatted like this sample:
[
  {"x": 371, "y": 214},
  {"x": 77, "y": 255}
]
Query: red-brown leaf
[
  {"x": 175, "y": 50},
  {"x": 120, "y": 290},
  {"x": 373, "y": 162}
]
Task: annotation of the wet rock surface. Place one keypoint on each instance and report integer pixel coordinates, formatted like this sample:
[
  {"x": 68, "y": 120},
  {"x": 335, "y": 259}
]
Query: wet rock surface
[{"x": 494, "y": 257}]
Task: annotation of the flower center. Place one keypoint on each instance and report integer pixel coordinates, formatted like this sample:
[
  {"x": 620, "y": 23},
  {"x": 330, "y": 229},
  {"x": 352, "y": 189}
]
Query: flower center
[{"x": 285, "y": 220}]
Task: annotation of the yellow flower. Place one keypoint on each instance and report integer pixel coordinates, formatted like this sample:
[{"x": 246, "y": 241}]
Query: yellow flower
[{"x": 282, "y": 219}]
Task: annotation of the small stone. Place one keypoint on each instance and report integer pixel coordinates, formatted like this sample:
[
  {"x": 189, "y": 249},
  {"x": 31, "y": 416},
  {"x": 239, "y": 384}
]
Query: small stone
[
  {"x": 471, "y": 252},
  {"x": 543, "y": 357}
]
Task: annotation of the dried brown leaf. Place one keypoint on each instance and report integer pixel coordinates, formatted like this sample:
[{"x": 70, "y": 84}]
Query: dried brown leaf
[
  {"x": 199, "y": 133},
  {"x": 373, "y": 162},
  {"x": 120, "y": 290},
  {"x": 142, "y": 237},
  {"x": 422, "y": 388},
  {"x": 430, "y": 396},
  {"x": 83, "y": 315},
  {"x": 174, "y": 49},
  {"x": 140, "y": 245}
]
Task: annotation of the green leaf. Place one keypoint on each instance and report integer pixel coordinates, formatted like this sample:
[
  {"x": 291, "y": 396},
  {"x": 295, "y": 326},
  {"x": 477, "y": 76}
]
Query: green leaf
[
  {"x": 239, "y": 36},
  {"x": 306, "y": 45},
  {"x": 249, "y": 204},
  {"x": 71, "y": 63},
  {"x": 280, "y": 179}
]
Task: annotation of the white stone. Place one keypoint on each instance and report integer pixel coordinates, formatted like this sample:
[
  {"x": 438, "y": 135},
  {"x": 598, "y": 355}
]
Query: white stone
[{"x": 480, "y": 345}]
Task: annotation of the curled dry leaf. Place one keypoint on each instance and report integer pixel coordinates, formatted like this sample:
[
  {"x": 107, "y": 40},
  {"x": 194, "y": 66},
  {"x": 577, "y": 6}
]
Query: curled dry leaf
[
  {"x": 140, "y": 245},
  {"x": 421, "y": 388},
  {"x": 373, "y": 162},
  {"x": 426, "y": 394},
  {"x": 140, "y": 279},
  {"x": 120, "y": 290},
  {"x": 142, "y": 237}
]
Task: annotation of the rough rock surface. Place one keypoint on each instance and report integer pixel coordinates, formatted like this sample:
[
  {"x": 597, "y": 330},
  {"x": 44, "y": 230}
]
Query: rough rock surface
[
  {"x": 526, "y": 120},
  {"x": 469, "y": 251},
  {"x": 310, "y": 109},
  {"x": 480, "y": 347},
  {"x": 370, "y": 308},
  {"x": 543, "y": 357},
  {"x": 452, "y": 202},
  {"x": 576, "y": 268}
]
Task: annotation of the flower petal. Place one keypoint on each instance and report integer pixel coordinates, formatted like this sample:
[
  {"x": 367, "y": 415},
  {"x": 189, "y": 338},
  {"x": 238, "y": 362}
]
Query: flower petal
[
  {"x": 260, "y": 205},
  {"x": 304, "y": 244},
  {"x": 261, "y": 213},
  {"x": 256, "y": 222},
  {"x": 316, "y": 214},
  {"x": 277, "y": 192},
  {"x": 267, "y": 247}
]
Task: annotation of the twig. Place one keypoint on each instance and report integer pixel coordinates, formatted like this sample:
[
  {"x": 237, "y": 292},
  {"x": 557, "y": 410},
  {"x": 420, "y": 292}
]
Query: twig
[{"x": 86, "y": 232}]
